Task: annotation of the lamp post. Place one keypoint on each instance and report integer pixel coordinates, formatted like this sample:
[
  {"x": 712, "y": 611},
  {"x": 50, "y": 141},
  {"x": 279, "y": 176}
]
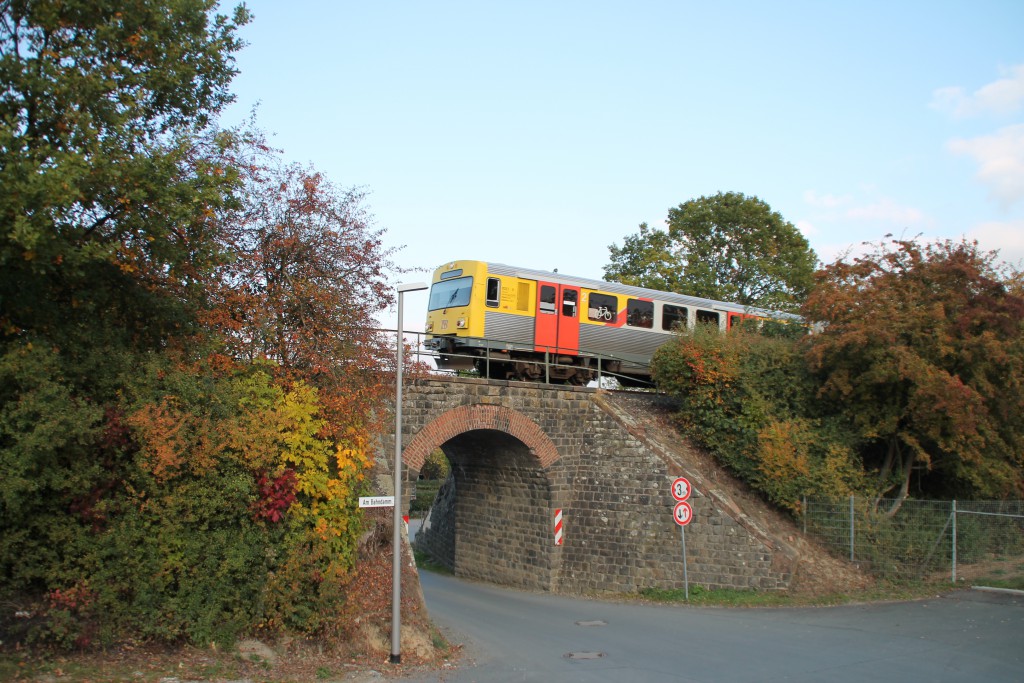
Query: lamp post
[{"x": 396, "y": 560}]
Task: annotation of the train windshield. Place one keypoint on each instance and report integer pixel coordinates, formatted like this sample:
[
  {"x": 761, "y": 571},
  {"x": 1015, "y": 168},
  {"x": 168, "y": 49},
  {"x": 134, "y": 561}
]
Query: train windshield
[{"x": 450, "y": 293}]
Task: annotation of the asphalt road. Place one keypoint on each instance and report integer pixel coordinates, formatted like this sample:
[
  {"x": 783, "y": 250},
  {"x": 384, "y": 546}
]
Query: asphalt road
[{"x": 511, "y": 635}]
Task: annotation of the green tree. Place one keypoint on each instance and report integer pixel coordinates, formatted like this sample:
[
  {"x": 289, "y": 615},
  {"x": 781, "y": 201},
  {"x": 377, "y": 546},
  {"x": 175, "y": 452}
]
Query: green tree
[
  {"x": 108, "y": 193},
  {"x": 112, "y": 180},
  {"x": 922, "y": 348},
  {"x": 727, "y": 247},
  {"x": 436, "y": 465}
]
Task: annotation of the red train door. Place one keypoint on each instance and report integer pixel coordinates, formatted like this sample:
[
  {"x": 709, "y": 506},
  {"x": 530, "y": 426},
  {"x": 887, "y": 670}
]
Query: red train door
[{"x": 558, "y": 322}]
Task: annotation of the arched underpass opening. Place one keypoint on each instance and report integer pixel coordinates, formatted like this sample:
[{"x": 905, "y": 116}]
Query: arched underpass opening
[{"x": 491, "y": 518}]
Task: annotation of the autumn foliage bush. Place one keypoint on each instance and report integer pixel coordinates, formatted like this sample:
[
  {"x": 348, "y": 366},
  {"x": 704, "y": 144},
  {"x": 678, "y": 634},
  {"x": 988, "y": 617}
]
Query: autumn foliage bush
[
  {"x": 749, "y": 399},
  {"x": 226, "y": 511}
]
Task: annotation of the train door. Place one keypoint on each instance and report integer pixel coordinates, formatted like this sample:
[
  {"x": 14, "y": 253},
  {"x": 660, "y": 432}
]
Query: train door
[{"x": 558, "y": 323}]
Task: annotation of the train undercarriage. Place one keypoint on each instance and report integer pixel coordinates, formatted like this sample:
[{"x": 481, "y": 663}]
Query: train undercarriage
[{"x": 527, "y": 366}]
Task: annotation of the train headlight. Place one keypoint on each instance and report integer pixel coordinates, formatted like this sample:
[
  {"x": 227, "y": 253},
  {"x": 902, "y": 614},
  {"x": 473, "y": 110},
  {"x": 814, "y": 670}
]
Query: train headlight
[
  {"x": 461, "y": 324},
  {"x": 430, "y": 326}
]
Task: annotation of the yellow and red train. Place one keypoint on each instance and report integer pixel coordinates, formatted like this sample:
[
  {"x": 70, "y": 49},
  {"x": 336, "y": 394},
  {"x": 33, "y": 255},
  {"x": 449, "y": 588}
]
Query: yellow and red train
[{"x": 518, "y": 323}]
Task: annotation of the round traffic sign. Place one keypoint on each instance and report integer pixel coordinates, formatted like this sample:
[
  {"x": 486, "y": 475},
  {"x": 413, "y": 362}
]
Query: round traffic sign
[
  {"x": 682, "y": 513},
  {"x": 681, "y": 488}
]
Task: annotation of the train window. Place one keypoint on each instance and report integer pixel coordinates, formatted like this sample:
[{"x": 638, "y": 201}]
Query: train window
[
  {"x": 450, "y": 293},
  {"x": 673, "y": 316},
  {"x": 547, "y": 299},
  {"x": 493, "y": 292},
  {"x": 707, "y": 317},
  {"x": 640, "y": 313},
  {"x": 602, "y": 307},
  {"x": 569, "y": 302},
  {"x": 735, "y": 320}
]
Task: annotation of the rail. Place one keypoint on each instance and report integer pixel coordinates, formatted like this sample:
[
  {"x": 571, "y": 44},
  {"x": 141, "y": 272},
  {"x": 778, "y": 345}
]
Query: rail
[{"x": 415, "y": 349}]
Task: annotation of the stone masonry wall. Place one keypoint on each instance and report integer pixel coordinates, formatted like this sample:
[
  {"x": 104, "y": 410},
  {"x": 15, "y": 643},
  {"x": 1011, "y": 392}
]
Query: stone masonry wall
[
  {"x": 519, "y": 451},
  {"x": 620, "y": 534}
]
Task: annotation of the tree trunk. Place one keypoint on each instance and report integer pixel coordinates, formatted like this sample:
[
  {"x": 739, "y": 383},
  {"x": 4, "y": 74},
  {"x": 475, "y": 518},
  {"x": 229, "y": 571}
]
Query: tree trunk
[
  {"x": 908, "y": 469},
  {"x": 883, "y": 475}
]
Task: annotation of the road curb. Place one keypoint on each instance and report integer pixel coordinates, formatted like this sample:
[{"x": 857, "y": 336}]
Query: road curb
[{"x": 989, "y": 589}]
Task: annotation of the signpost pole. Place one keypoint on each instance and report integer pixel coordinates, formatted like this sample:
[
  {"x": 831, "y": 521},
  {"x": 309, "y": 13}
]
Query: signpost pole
[
  {"x": 686, "y": 578},
  {"x": 396, "y": 560}
]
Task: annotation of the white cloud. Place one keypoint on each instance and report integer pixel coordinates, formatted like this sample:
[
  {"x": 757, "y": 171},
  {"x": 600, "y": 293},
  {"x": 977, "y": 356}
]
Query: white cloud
[
  {"x": 1007, "y": 237},
  {"x": 1001, "y": 161},
  {"x": 806, "y": 228},
  {"x": 1002, "y": 97}
]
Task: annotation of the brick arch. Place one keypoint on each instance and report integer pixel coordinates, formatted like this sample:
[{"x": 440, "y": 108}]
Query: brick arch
[{"x": 467, "y": 418}]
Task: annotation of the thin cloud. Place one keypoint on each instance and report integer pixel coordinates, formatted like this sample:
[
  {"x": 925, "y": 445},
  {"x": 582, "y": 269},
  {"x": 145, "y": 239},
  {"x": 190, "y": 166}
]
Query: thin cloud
[
  {"x": 1000, "y": 158},
  {"x": 827, "y": 201},
  {"x": 1007, "y": 237},
  {"x": 1003, "y": 97},
  {"x": 887, "y": 211}
]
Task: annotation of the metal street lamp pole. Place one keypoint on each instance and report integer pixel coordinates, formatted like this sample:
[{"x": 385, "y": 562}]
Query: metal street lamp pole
[{"x": 396, "y": 560}]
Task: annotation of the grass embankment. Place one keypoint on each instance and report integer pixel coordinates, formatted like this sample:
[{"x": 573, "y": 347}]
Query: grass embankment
[{"x": 1008, "y": 576}]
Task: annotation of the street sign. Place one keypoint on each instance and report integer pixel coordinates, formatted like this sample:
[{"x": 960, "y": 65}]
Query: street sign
[
  {"x": 681, "y": 489},
  {"x": 376, "y": 501},
  {"x": 682, "y": 513}
]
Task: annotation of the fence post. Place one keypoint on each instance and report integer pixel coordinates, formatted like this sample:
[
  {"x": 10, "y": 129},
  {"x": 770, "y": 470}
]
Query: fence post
[
  {"x": 804, "y": 508},
  {"x": 953, "y": 513},
  {"x": 852, "y": 532}
]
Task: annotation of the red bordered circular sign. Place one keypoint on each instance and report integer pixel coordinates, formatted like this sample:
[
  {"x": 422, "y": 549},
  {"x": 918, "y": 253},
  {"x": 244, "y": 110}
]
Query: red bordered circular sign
[
  {"x": 681, "y": 488},
  {"x": 682, "y": 513}
]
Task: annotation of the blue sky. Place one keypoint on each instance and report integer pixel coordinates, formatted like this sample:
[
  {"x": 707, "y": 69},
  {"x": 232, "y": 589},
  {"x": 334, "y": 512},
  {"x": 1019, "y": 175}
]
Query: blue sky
[{"x": 538, "y": 133}]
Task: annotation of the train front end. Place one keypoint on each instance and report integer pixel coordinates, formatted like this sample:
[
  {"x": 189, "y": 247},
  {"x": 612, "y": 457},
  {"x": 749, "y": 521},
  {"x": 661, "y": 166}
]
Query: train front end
[{"x": 455, "y": 314}]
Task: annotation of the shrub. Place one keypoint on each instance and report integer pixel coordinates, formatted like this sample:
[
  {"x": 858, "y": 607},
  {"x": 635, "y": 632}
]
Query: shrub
[
  {"x": 208, "y": 506},
  {"x": 749, "y": 399}
]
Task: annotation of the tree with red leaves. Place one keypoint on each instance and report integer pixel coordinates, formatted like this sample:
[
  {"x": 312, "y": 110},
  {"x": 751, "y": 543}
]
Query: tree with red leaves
[
  {"x": 922, "y": 347},
  {"x": 309, "y": 275}
]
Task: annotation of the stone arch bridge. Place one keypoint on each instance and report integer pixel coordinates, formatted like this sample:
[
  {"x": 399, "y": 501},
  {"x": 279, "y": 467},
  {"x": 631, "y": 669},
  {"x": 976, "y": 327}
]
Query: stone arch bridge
[{"x": 521, "y": 453}]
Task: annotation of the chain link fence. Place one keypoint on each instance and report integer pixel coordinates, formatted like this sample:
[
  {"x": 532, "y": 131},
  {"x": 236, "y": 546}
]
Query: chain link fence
[{"x": 923, "y": 538}]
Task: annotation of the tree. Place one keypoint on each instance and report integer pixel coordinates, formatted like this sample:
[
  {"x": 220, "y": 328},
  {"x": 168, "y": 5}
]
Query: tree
[
  {"x": 308, "y": 276},
  {"x": 727, "y": 247},
  {"x": 111, "y": 180},
  {"x": 308, "y": 273},
  {"x": 104, "y": 213},
  {"x": 922, "y": 348},
  {"x": 105, "y": 199},
  {"x": 188, "y": 378}
]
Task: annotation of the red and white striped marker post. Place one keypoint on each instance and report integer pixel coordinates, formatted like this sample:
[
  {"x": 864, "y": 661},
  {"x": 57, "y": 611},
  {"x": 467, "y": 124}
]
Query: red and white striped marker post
[{"x": 558, "y": 526}]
